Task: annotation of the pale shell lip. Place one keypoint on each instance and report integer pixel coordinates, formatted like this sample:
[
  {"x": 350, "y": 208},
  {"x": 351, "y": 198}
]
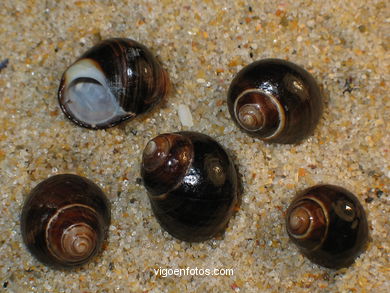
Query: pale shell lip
[
  {"x": 275, "y": 101},
  {"x": 115, "y": 80},
  {"x": 88, "y": 113}
]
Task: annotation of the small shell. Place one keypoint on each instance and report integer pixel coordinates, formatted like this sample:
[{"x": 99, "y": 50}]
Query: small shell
[
  {"x": 275, "y": 100},
  {"x": 192, "y": 184},
  {"x": 114, "y": 81},
  {"x": 185, "y": 115},
  {"x": 328, "y": 224},
  {"x": 65, "y": 220}
]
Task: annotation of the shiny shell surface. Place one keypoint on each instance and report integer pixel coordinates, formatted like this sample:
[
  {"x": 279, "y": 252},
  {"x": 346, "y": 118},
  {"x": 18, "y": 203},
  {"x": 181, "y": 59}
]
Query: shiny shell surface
[
  {"x": 275, "y": 100},
  {"x": 328, "y": 224},
  {"x": 192, "y": 184},
  {"x": 113, "y": 81}
]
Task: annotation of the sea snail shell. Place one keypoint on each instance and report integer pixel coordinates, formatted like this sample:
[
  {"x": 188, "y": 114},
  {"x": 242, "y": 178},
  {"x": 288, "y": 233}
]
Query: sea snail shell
[
  {"x": 275, "y": 100},
  {"x": 192, "y": 184},
  {"x": 114, "y": 81},
  {"x": 65, "y": 220},
  {"x": 328, "y": 224}
]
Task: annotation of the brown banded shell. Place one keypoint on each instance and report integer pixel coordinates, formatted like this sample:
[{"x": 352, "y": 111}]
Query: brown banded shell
[
  {"x": 65, "y": 220},
  {"x": 328, "y": 224},
  {"x": 113, "y": 81},
  {"x": 192, "y": 184},
  {"x": 275, "y": 100}
]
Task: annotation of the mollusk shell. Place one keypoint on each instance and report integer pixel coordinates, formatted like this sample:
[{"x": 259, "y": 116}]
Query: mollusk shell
[
  {"x": 113, "y": 81},
  {"x": 328, "y": 224},
  {"x": 275, "y": 100},
  {"x": 65, "y": 220},
  {"x": 191, "y": 183}
]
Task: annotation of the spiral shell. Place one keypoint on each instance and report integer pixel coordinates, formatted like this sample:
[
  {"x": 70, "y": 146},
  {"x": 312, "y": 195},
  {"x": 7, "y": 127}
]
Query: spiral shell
[
  {"x": 275, "y": 100},
  {"x": 65, "y": 220},
  {"x": 114, "y": 81},
  {"x": 192, "y": 184},
  {"x": 328, "y": 224}
]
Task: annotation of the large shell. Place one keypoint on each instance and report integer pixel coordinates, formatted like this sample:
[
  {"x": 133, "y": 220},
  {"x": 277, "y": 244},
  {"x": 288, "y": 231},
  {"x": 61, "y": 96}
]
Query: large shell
[
  {"x": 328, "y": 224},
  {"x": 114, "y": 81},
  {"x": 192, "y": 184},
  {"x": 275, "y": 100},
  {"x": 65, "y": 220}
]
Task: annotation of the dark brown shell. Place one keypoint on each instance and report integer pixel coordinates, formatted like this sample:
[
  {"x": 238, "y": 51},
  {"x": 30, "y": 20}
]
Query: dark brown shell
[
  {"x": 275, "y": 100},
  {"x": 65, "y": 220},
  {"x": 113, "y": 81},
  {"x": 328, "y": 224},
  {"x": 192, "y": 184}
]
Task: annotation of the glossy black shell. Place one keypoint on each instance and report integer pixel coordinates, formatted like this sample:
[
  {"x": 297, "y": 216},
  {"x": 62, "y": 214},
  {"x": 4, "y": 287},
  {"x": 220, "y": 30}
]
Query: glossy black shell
[
  {"x": 127, "y": 70},
  {"x": 64, "y": 201},
  {"x": 194, "y": 201},
  {"x": 288, "y": 96},
  {"x": 339, "y": 230}
]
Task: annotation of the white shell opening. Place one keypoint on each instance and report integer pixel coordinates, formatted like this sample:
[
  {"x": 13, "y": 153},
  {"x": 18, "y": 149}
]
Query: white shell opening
[{"x": 87, "y": 95}]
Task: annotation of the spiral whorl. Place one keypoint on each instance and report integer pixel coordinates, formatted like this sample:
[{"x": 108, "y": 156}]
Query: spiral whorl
[{"x": 79, "y": 241}]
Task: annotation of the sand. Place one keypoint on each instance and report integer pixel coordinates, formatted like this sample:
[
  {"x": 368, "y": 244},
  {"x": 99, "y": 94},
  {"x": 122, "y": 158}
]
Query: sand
[{"x": 344, "y": 44}]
